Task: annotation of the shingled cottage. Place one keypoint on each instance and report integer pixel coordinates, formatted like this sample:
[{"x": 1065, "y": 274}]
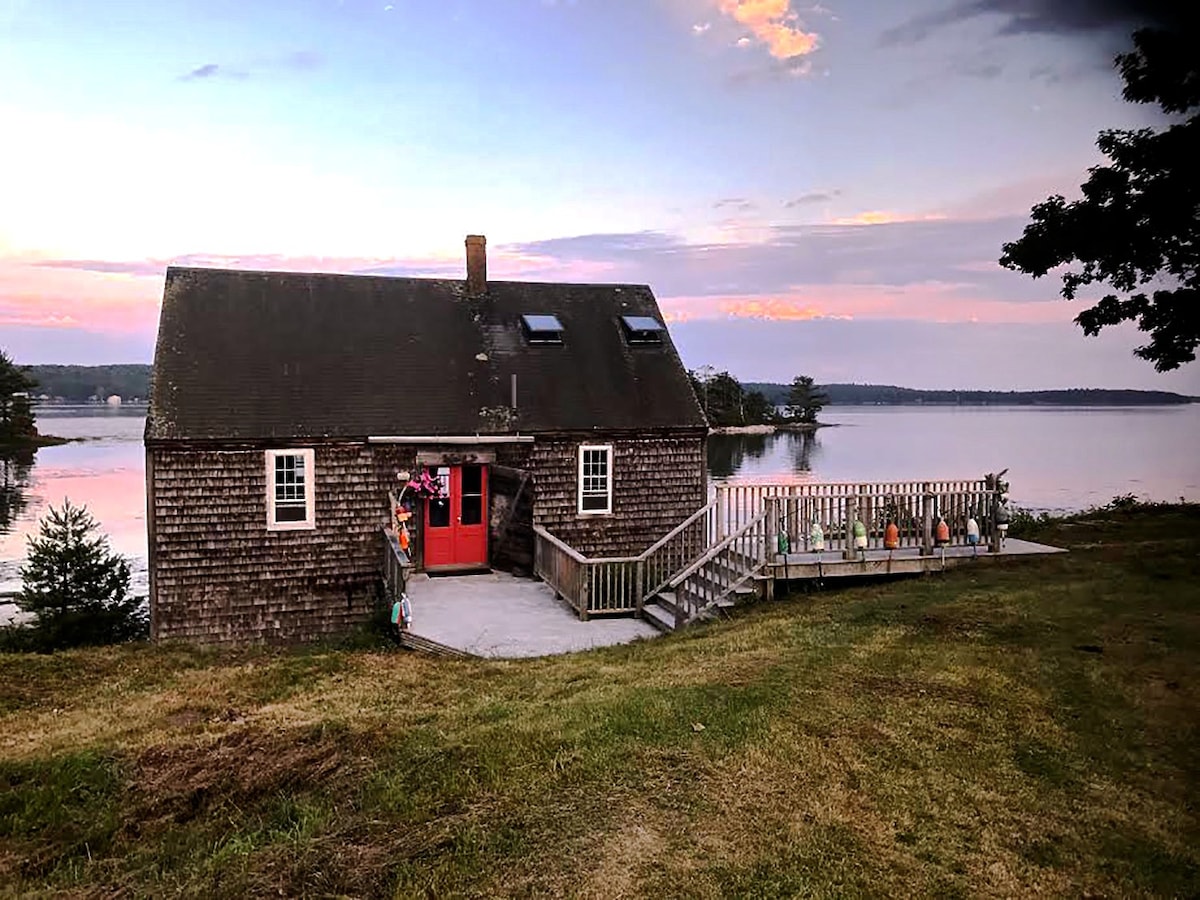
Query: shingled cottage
[{"x": 284, "y": 405}]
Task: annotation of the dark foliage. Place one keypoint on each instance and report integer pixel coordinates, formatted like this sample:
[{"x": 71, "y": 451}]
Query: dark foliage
[
  {"x": 727, "y": 403},
  {"x": 76, "y": 588},
  {"x": 805, "y": 400},
  {"x": 1139, "y": 219},
  {"x": 78, "y": 384},
  {"x": 16, "y": 415}
]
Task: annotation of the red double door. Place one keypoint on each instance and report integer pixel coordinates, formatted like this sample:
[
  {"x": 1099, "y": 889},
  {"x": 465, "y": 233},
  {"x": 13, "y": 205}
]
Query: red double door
[{"x": 456, "y": 528}]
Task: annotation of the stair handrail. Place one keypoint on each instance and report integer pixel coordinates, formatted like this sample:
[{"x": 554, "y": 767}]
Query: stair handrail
[
  {"x": 561, "y": 545},
  {"x": 662, "y": 541},
  {"x": 719, "y": 547}
]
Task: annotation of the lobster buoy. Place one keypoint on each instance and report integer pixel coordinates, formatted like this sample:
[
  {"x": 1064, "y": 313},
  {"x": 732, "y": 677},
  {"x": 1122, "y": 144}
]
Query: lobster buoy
[
  {"x": 942, "y": 534},
  {"x": 972, "y": 531},
  {"x": 860, "y": 535},
  {"x": 816, "y": 537},
  {"x": 891, "y": 536},
  {"x": 405, "y": 611},
  {"x": 783, "y": 541},
  {"x": 404, "y": 542}
]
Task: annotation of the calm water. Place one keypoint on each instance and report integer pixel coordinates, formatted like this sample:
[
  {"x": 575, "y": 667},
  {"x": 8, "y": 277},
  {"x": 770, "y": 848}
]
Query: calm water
[{"x": 1058, "y": 458}]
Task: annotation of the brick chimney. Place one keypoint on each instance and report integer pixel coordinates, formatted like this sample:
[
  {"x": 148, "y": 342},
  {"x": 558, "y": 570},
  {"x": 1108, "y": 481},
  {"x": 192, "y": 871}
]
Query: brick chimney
[{"x": 476, "y": 265}]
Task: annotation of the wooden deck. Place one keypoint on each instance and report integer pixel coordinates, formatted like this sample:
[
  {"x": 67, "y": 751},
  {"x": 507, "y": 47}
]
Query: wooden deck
[{"x": 904, "y": 561}]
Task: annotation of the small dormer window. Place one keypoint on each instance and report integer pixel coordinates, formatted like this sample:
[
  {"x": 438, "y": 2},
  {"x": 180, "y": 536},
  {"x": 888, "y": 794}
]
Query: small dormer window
[
  {"x": 542, "y": 329},
  {"x": 642, "y": 329}
]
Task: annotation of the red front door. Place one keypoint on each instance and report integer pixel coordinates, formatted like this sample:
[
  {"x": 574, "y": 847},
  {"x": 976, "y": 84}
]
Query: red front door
[{"x": 456, "y": 530}]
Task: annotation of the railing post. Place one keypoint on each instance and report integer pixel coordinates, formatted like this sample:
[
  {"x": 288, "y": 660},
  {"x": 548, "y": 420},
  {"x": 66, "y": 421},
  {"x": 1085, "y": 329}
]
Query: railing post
[
  {"x": 851, "y": 515},
  {"x": 585, "y": 592},
  {"x": 640, "y": 582},
  {"x": 993, "y": 507},
  {"x": 927, "y": 515},
  {"x": 722, "y": 506}
]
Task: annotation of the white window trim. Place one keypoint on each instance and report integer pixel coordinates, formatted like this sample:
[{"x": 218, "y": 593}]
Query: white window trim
[
  {"x": 310, "y": 507},
  {"x": 608, "y": 506}
]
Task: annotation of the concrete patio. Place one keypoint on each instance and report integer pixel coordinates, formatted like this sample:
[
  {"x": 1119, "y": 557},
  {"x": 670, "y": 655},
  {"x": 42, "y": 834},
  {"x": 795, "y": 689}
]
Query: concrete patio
[{"x": 499, "y": 616}]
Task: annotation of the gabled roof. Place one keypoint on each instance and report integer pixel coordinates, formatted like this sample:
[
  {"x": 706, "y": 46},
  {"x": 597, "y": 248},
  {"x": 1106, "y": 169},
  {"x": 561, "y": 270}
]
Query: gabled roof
[{"x": 282, "y": 355}]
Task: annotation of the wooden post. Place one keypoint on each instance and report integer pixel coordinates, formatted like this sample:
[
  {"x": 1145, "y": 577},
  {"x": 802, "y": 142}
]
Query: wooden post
[
  {"x": 722, "y": 507},
  {"x": 851, "y": 515},
  {"x": 994, "y": 542},
  {"x": 927, "y": 514}
]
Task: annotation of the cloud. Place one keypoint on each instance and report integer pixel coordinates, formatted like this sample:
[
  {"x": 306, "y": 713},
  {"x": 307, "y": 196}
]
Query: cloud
[
  {"x": 811, "y": 197},
  {"x": 701, "y": 27},
  {"x": 208, "y": 70},
  {"x": 774, "y": 24},
  {"x": 741, "y": 204},
  {"x": 297, "y": 60},
  {"x": 1039, "y": 17}
]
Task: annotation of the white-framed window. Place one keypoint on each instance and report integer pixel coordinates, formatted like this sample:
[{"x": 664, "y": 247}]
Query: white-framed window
[
  {"x": 595, "y": 478},
  {"x": 290, "y": 490}
]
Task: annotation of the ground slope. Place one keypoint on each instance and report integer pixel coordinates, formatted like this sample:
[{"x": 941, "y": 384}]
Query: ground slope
[{"x": 998, "y": 730}]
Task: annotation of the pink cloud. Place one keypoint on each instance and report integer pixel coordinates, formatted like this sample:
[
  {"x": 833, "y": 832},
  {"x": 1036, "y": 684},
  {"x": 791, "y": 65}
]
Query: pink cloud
[
  {"x": 926, "y": 302},
  {"x": 774, "y": 24}
]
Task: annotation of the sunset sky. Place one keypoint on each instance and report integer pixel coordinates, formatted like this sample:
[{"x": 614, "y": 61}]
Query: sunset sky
[{"x": 807, "y": 187}]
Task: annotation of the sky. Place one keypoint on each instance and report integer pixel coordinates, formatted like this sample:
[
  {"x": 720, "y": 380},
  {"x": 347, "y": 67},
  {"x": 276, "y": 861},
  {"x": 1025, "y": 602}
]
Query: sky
[{"x": 818, "y": 188}]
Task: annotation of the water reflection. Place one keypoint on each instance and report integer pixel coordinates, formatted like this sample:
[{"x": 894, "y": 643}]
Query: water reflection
[
  {"x": 804, "y": 448},
  {"x": 14, "y": 479},
  {"x": 727, "y": 453}
]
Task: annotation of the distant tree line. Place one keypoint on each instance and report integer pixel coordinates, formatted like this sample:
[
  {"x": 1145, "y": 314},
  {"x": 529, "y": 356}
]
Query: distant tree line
[
  {"x": 872, "y": 394},
  {"x": 78, "y": 384}
]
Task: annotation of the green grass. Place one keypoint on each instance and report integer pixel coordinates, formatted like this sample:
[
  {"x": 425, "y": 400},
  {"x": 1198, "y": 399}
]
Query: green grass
[{"x": 1003, "y": 729}]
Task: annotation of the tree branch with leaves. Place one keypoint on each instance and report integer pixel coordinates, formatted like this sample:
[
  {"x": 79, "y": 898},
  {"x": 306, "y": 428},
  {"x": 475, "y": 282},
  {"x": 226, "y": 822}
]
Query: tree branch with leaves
[{"x": 1138, "y": 223}]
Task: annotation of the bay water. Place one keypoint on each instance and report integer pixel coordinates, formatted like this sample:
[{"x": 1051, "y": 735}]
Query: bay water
[{"x": 1059, "y": 459}]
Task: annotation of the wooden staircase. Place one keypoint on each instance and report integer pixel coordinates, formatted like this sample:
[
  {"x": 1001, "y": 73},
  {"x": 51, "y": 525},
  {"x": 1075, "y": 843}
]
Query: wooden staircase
[{"x": 728, "y": 573}]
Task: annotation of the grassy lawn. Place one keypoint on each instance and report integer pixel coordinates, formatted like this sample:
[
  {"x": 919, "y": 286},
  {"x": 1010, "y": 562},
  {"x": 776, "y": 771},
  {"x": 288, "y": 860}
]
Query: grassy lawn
[{"x": 1003, "y": 729}]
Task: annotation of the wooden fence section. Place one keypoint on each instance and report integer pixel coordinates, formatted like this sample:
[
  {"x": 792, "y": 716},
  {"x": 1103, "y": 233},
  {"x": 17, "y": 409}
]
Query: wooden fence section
[
  {"x": 725, "y": 567},
  {"x": 395, "y": 566},
  {"x": 621, "y": 584},
  {"x": 560, "y": 567},
  {"x": 914, "y": 506}
]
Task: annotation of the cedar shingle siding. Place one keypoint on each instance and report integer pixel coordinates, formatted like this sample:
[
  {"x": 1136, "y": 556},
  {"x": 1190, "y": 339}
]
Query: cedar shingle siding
[{"x": 251, "y": 361}]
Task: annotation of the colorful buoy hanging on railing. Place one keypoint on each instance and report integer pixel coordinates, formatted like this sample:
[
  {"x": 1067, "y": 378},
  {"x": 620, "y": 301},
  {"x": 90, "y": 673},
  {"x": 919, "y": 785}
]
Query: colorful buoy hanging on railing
[
  {"x": 816, "y": 538},
  {"x": 941, "y": 535},
  {"x": 860, "y": 535},
  {"x": 891, "y": 536},
  {"x": 972, "y": 531}
]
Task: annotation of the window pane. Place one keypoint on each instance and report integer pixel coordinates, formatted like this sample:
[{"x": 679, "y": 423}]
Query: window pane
[
  {"x": 592, "y": 502},
  {"x": 472, "y": 479},
  {"x": 290, "y": 513},
  {"x": 472, "y": 510},
  {"x": 439, "y": 512}
]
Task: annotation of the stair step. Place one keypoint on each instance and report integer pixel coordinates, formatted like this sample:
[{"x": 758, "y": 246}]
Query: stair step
[
  {"x": 658, "y": 616},
  {"x": 667, "y": 600}
]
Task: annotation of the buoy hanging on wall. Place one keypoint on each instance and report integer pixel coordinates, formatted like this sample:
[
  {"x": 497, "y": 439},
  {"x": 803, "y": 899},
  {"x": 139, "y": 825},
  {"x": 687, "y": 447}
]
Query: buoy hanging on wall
[
  {"x": 972, "y": 531},
  {"x": 942, "y": 534},
  {"x": 860, "y": 535},
  {"x": 891, "y": 536},
  {"x": 816, "y": 537}
]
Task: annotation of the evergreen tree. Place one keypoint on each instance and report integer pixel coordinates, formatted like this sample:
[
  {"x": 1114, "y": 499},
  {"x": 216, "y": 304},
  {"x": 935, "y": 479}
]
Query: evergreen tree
[
  {"x": 76, "y": 588},
  {"x": 805, "y": 400},
  {"x": 16, "y": 413}
]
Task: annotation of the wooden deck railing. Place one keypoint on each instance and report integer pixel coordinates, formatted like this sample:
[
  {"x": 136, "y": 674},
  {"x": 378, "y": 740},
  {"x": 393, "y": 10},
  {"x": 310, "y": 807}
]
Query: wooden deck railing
[
  {"x": 914, "y": 506},
  {"x": 733, "y": 560},
  {"x": 682, "y": 545},
  {"x": 560, "y": 567},
  {"x": 621, "y": 584},
  {"x": 395, "y": 566}
]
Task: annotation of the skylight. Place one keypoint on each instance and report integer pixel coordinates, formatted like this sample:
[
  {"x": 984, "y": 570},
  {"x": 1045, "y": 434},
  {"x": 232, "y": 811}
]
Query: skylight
[
  {"x": 643, "y": 329},
  {"x": 542, "y": 329}
]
